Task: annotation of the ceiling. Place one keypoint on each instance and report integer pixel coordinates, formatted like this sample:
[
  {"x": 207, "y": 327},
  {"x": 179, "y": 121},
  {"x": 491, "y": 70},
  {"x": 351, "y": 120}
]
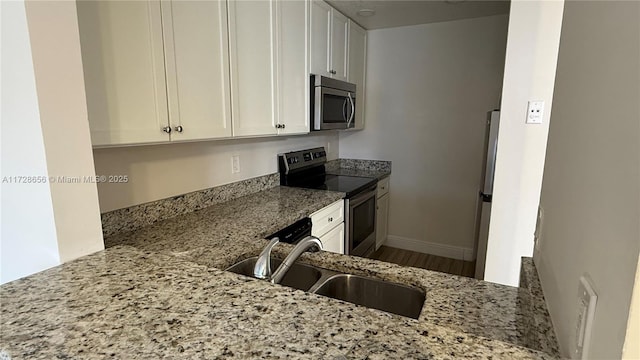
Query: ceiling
[{"x": 394, "y": 13}]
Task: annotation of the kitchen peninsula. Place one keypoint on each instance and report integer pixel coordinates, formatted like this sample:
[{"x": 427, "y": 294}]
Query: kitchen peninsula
[{"x": 159, "y": 291}]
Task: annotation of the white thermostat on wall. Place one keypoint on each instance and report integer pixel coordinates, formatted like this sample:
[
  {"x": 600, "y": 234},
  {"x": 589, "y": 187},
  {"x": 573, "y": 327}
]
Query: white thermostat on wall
[{"x": 535, "y": 111}]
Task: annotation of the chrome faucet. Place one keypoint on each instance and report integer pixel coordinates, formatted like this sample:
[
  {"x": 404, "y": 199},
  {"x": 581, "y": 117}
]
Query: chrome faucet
[{"x": 262, "y": 269}]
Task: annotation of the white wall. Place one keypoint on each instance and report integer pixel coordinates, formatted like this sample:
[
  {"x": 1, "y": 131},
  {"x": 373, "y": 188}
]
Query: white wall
[
  {"x": 53, "y": 28},
  {"x": 429, "y": 88},
  {"x": 160, "y": 171},
  {"x": 591, "y": 187},
  {"x": 529, "y": 74},
  {"x": 45, "y": 133},
  {"x": 28, "y": 242}
]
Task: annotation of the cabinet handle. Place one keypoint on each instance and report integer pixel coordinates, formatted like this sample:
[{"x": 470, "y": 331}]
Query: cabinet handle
[
  {"x": 333, "y": 72},
  {"x": 284, "y": 125},
  {"x": 278, "y": 126},
  {"x": 167, "y": 129},
  {"x": 179, "y": 128},
  {"x": 330, "y": 219}
]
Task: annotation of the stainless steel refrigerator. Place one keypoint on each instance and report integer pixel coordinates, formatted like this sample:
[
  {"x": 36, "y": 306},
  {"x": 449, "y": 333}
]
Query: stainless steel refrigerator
[{"x": 486, "y": 191}]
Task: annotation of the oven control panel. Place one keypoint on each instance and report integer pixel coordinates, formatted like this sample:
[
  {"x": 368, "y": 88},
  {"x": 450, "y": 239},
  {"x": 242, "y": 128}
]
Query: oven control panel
[{"x": 301, "y": 159}]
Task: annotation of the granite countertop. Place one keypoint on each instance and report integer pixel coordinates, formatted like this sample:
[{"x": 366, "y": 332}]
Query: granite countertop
[
  {"x": 378, "y": 174},
  {"x": 127, "y": 303},
  {"x": 160, "y": 292},
  {"x": 361, "y": 168},
  {"x": 219, "y": 235}
]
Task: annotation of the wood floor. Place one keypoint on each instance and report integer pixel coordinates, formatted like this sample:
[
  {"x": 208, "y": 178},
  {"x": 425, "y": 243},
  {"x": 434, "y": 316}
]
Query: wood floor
[{"x": 425, "y": 261}]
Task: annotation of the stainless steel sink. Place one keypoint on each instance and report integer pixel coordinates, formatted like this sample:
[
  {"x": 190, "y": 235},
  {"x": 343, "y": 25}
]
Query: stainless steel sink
[
  {"x": 299, "y": 276},
  {"x": 373, "y": 293}
]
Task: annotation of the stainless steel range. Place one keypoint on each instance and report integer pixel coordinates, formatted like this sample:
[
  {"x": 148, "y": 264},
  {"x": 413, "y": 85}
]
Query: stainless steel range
[{"x": 306, "y": 169}]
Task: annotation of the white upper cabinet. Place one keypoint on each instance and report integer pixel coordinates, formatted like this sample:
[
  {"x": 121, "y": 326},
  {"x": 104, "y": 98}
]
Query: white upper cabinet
[
  {"x": 329, "y": 41},
  {"x": 269, "y": 67},
  {"x": 320, "y": 38},
  {"x": 253, "y": 67},
  {"x": 293, "y": 67},
  {"x": 146, "y": 88},
  {"x": 182, "y": 70},
  {"x": 196, "y": 57},
  {"x": 339, "y": 44},
  {"x": 123, "y": 59},
  {"x": 357, "y": 68}
]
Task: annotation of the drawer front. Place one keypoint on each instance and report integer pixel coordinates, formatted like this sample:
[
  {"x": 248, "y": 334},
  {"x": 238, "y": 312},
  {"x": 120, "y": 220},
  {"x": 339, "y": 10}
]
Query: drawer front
[
  {"x": 327, "y": 218},
  {"x": 383, "y": 187},
  {"x": 333, "y": 241}
]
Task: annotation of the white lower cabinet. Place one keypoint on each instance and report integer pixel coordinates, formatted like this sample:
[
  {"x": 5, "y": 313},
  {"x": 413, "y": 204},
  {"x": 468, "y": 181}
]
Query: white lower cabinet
[
  {"x": 333, "y": 241},
  {"x": 328, "y": 226}
]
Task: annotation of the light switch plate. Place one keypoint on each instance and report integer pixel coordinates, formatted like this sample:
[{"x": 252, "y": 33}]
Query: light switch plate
[
  {"x": 587, "y": 299},
  {"x": 535, "y": 112},
  {"x": 235, "y": 164}
]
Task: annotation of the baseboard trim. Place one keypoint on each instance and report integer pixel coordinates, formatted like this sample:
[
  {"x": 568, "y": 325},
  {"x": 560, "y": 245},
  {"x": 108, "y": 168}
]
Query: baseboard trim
[{"x": 453, "y": 252}]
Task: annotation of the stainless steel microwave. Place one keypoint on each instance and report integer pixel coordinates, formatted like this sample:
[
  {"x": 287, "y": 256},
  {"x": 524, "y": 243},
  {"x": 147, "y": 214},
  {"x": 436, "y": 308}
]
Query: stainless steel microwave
[{"x": 333, "y": 103}]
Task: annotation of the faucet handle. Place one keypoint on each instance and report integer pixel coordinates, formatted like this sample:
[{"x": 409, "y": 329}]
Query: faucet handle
[{"x": 262, "y": 268}]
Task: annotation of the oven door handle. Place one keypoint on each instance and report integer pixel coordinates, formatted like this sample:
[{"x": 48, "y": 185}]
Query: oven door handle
[{"x": 363, "y": 197}]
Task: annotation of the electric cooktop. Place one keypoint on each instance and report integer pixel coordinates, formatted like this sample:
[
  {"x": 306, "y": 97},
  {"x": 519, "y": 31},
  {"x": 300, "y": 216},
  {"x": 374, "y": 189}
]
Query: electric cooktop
[
  {"x": 350, "y": 185},
  {"x": 306, "y": 169}
]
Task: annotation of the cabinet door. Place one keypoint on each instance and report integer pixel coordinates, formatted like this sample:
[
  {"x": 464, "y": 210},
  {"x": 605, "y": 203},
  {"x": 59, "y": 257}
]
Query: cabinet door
[
  {"x": 326, "y": 218},
  {"x": 123, "y": 60},
  {"x": 251, "y": 39},
  {"x": 320, "y": 28},
  {"x": 333, "y": 241},
  {"x": 196, "y": 53},
  {"x": 293, "y": 69},
  {"x": 339, "y": 44},
  {"x": 357, "y": 68},
  {"x": 382, "y": 217}
]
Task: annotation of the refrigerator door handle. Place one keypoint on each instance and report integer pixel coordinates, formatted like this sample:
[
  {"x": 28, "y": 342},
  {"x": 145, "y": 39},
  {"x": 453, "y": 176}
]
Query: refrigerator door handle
[{"x": 492, "y": 149}]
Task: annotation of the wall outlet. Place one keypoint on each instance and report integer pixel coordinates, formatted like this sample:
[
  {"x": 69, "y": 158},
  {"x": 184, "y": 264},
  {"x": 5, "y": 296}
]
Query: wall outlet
[
  {"x": 235, "y": 164},
  {"x": 587, "y": 299},
  {"x": 535, "y": 112}
]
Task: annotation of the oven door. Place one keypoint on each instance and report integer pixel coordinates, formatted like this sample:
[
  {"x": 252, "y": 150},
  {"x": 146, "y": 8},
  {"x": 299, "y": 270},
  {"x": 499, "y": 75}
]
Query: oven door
[
  {"x": 334, "y": 109},
  {"x": 361, "y": 222}
]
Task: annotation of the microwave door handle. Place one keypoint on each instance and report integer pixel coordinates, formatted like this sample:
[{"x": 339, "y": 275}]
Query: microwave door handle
[
  {"x": 344, "y": 110},
  {"x": 353, "y": 111}
]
